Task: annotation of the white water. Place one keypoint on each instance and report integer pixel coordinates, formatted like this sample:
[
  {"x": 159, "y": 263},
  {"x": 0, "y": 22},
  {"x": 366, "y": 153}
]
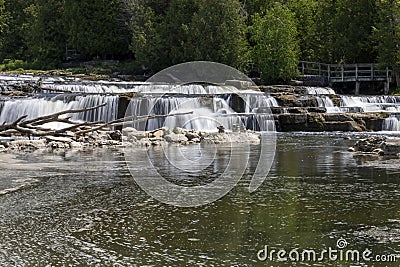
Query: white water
[
  {"x": 205, "y": 117},
  {"x": 207, "y": 114},
  {"x": 35, "y": 107},
  {"x": 219, "y": 109},
  {"x": 372, "y": 103},
  {"x": 257, "y": 100},
  {"x": 392, "y": 123},
  {"x": 144, "y": 88},
  {"x": 320, "y": 91},
  {"x": 326, "y": 102}
]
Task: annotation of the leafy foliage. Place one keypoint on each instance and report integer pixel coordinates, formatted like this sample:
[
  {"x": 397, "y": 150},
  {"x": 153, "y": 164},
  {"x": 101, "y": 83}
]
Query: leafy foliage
[
  {"x": 270, "y": 35},
  {"x": 189, "y": 30},
  {"x": 276, "y": 50}
]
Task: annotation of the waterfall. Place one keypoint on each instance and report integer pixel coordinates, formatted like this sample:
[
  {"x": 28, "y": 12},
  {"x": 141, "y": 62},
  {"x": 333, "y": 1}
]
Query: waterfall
[
  {"x": 93, "y": 88},
  {"x": 208, "y": 113},
  {"x": 257, "y": 100},
  {"x": 372, "y": 103},
  {"x": 205, "y": 116},
  {"x": 392, "y": 123},
  {"x": 188, "y": 89},
  {"x": 102, "y": 87},
  {"x": 320, "y": 91},
  {"x": 326, "y": 102},
  {"x": 35, "y": 107},
  {"x": 212, "y": 105}
]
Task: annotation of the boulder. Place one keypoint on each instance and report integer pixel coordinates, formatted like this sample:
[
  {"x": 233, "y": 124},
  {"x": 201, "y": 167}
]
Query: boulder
[
  {"x": 192, "y": 135},
  {"x": 159, "y": 133},
  {"x": 175, "y": 138},
  {"x": 116, "y": 135}
]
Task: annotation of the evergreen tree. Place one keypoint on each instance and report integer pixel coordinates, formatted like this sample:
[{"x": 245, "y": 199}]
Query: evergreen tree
[
  {"x": 188, "y": 30},
  {"x": 14, "y": 31},
  {"x": 344, "y": 30},
  {"x": 3, "y": 23},
  {"x": 46, "y": 38},
  {"x": 96, "y": 28},
  {"x": 387, "y": 36},
  {"x": 146, "y": 43}
]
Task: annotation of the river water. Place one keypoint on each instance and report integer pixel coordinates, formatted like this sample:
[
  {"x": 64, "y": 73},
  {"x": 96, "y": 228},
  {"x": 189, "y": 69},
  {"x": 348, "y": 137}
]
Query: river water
[{"x": 84, "y": 208}]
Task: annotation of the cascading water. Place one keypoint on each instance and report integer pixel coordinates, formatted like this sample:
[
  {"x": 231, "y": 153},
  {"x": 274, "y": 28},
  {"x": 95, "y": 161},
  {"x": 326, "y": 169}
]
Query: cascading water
[
  {"x": 135, "y": 87},
  {"x": 214, "y": 102},
  {"x": 326, "y": 102},
  {"x": 392, "y": 123},
  {"x": 320, "y": 91},
  {"x": 35, "y": 107},
  {"x": 207, "y": 113},
  {"x": 372, "y": 103},
  {"x": 200, "y": 119},
  {"x": 256, "y": 100},
  {"x": 211, "y": 105}
]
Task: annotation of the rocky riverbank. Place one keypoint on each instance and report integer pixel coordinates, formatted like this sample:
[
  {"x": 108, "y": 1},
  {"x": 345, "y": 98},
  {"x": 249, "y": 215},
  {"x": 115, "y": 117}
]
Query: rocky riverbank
[
  {"x": 316, "y": 109},
  {"x": 378, "y": 145},
  {"x": 317, "y": 120},
  {"x": 378, "y": 152},
  {"x": 129, "y": 137}
]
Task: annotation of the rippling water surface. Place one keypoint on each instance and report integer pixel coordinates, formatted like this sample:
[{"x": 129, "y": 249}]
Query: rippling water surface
[{"x": 84, "y": 208}]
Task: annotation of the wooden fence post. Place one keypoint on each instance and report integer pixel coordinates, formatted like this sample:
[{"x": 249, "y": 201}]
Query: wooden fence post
[{"x": 342, "y": 73}]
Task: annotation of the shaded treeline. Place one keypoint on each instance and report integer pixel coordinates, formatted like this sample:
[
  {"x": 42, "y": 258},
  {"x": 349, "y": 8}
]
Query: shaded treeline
[{"x": 268, "y": 37}]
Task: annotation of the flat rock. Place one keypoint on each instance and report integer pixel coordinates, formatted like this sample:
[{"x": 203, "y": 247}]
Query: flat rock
[{"x": 58, "y": 139}]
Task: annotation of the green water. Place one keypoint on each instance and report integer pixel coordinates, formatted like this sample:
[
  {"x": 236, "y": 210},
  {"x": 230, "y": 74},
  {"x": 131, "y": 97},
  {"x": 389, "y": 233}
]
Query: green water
[{"x": 86, "y": 209}]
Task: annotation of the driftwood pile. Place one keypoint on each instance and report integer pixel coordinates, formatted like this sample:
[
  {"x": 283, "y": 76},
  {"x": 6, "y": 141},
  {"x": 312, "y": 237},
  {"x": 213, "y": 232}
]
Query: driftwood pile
[{"x": 35, "y": 127}]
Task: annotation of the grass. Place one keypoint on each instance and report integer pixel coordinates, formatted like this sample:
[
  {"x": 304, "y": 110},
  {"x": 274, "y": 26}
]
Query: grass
[
  {"x": 90, "y": 68},
  {"x": 395, "y": 91}
]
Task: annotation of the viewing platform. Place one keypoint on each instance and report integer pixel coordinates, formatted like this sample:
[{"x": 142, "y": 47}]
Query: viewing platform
[{"x": 344, "y": 73}]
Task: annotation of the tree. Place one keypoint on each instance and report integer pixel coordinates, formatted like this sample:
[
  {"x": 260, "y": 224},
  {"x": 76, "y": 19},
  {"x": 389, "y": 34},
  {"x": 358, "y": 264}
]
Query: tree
[
  {"x": 218, "y": 33},
  {"x": 189, "y": 30},
  {"x": 276, "y": 49},
  {"x": 344, "y": 30},
  {"x": 304, "y": 11},
  {"x": 46, "y": 38},
  {"x": 387, "y": 36},
  {"x": 3, "y": 22},
  {"x": 13, "y": 34},
  {"x": 146, "y": 43},
  {"x": 96, "y": 28}
]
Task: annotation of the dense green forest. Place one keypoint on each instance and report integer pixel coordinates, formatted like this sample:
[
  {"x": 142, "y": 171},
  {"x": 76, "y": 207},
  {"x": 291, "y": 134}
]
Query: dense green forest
[{"x": 269, "y": 37}]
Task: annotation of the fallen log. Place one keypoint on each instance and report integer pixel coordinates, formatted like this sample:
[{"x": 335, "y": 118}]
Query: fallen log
[{"x": 34, "y": 127}]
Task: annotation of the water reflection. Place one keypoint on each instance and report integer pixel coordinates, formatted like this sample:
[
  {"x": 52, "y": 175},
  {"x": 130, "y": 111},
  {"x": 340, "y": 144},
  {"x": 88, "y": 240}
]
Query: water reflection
[{"x": 86, "y": 209}]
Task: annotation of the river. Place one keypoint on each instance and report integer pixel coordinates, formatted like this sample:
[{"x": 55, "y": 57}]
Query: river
[{"x": 84, "y": 208}]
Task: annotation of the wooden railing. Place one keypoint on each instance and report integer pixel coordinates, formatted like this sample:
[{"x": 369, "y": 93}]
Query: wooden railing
[
  {"x": 337, "y": 73},
  {"x": 346, "y": 72}
]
